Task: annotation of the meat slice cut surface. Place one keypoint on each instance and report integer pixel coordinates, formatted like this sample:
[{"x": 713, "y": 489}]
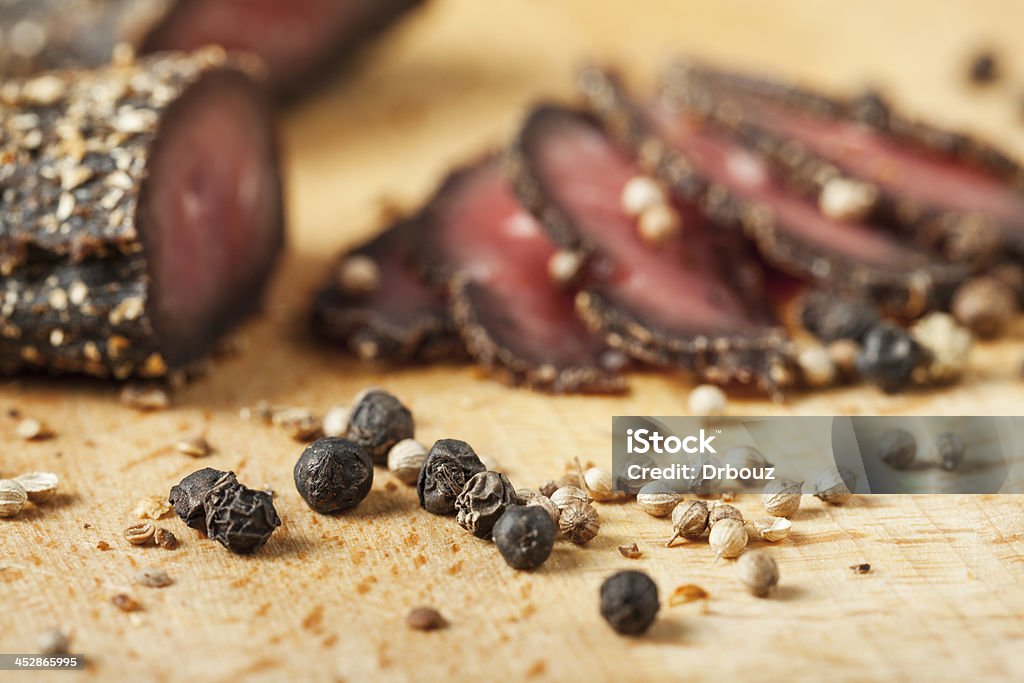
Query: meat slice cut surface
[{"x": 494, "y": 257}]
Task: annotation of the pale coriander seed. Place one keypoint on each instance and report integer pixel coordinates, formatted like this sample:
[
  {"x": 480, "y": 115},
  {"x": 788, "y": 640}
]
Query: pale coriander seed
[
  {"x": 723, "y": 511},
  {"x": 405, "y": 459},
  {"x": 545, "y": 503},
  {"x": 658, "y": 498},
  {"x": 728, "y": 538},
  {"x": 598, "y": 482},
  {"x": 689, "y": 520},
  {"x": 40, "y": 486},
  {"x": 781, "y": 497},
  {"x": 758, "y": 571},
  {"x": 335, "y": 422},
  {"x": 565, "y": 495},
  {"x": 12, "y": 497},
  {"x": 835, "y": 485}
]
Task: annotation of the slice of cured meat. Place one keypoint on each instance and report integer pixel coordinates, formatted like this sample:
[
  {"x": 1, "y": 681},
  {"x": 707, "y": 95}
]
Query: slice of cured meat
[
  {"x": 140, "y": 213},
  {"x": 948, "y": 190},
  {"x": 736, "y": 187},
  {"x": 494, "y": 257},
  {"x": 674, "y": 303},
  {"x": 295, "y": 38},
  {"x": 379, "y": 307}
]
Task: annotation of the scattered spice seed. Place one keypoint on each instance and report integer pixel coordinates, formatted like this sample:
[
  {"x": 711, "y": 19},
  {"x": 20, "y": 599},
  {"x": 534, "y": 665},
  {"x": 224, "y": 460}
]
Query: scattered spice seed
[
  {"x": 377, "y": 422},
  {"x": 54, "y": 641},
  {"x": 40, "y": 486},
  {"x": 194, "y": 446},
  {"x": 773, "y": 529},
  {"x": 31, "y": 429},
  {"x": 152, "y": 578},
  {"x": 658, "y": 498},
  {"x": 549, "y": 487},
  {"x": 298, "y": 423},
  {"x": 425, "y": 619},
  {"x": 239, "y": 518},
  {"x": 125, "y": 603},
  {"x": 598, "y": 483},
  {"x": 405, "y": 459},
  {"x": 728, "y": 538},
  {"x": 862, "y": 568},
  {"x": 335, "y": 422},
  {"x": 262, "y": 412},
  {"x": 483, "y": 501},
  {"x": 165, "y": 539},
  {"x": 152, "y": 507},
  {"x": 897, "y": 448},
  {"x": 687, "y": 593},
  {"x": 449, "y": 465},
  {"x": 983, "y": 68},
  {"x": 565, "y": 495},
  {"x": 889, "y": 357},
  {"x": 144, "y": 397},
  {"x": 631, "y": 551},
  {"x": 629, "y": 602},
  {"x": 949, "y": 448},
  {"x": 835, "y": 485},
  {"x": 707, "y": 399},
  {"x": 333, "y": 474},
  {"x": 984, "y": 305},
  {"x": 689, "y": 520},
  {"x": 580, "y": 522},
  {"x": 947, "y": 344},
  {"x": 188, "y": 495},
  {"x": 140, "y": 534},
  {"x": 723, "y": 511},
  {"x": 525, "y": 536},
  {"x": 12, "y": 497},
  {"x": 781, "y": 497},
  {"x": 102, "y": 546},
  {"x": 545, "y": 504},
  {"x": 758, "y": 571},
  {"x": 831, "y": 318}
]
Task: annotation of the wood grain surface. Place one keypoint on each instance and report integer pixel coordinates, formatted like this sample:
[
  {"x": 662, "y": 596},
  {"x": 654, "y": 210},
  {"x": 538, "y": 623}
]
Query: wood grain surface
[{"x": 326, "y": 599}]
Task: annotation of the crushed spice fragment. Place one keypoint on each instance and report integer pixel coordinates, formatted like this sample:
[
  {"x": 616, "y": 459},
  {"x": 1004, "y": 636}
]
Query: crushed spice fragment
[
  {"x": 862, "y": 568},
  {"x": 140, "y": 534},
  {"x": 125, "y": 603},
  {"x": 194, "y": 446},
  {"x": 425, "y": 619},
  {"x": 152, "y": 577},
  {"x": 40, "y": 486},
  {"x": 144, "y": 397},
  {"x": 299, "y": 424},
  {"x": 631, "y": 551},
  {"x": 686, "y": 594},
  {"x": 152, "y": 507},
  {"x": 165, "y": 539}
]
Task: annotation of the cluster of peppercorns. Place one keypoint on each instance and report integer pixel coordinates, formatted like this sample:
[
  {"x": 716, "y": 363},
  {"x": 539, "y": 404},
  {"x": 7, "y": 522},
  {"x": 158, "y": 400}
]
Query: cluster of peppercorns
[{"x": 215, "y": 503}]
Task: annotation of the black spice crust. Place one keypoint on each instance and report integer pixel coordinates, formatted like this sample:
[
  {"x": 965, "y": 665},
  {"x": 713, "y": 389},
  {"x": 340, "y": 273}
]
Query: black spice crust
[
  {"x": 923, "y": 285},
  {"x": 715, "y": 95},
  {"x": 75, "y": 278}
]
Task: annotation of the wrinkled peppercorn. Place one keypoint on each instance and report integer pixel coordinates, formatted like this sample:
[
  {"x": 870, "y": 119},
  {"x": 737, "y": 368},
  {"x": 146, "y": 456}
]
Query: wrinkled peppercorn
[
  {"x": 829, "y": 317},
  {"x": 950, "y": 449},
  {"x": 239, "y": 518},
  {"x": 482, "y": 501},
  {"x": 333, "y": 474},
  {"x": 629, "y": 602},
  {"x": 377, "y": 422},
  {"x": 897, "y": 449},
  {"x": 188, "y": 495},
  {"x": 888, "y": 357},
  {"x": 525, "y": 536},
  {"x": 449, "y": 465}
]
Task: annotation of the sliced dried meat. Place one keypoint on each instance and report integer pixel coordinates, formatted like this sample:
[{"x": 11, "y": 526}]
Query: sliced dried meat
[
  {"x": 295, "y": 38},
  {"x": 494, "y": 256},
  {"x": 395, "y": 316},
  {"x": 948, "y": 190},
  {"x": 141, "y": 213},
  {"x": 736, "y": 187},
  {"x": 674, "y": 304}
]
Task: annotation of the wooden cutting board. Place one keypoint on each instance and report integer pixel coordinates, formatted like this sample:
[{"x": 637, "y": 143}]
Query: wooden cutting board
[{"x": 326, "y": 599}]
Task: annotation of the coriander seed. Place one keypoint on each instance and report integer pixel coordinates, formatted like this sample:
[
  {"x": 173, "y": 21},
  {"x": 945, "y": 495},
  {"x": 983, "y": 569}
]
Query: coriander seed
[
  {"x": 723, "y": 511},
  {"x": 949, "y": 449},
  {"x": 781, "y": 497},
  {"x": 333, "y": 474},
  {"x": 165, "y": 539},
  {"x": 728, "y": 538},
  {"x": 483, "y": 501},
  {"x": 629, "y": 602},
  {"x": 140, "y": 534},
  {"x": 569, "y": 494},
  {"x": 773, "y": 529},
  {"x": 579, "y": 521},
  {"x": 12, "y": 497},
  {"x": 405, "y": 460},
  {"x": 658, "y": 498},
  {"x": 377, "y": 422},
  {"x": 449, "y": 465},
  {"x": 545, "y": 504},
  {"x": 548, "y": 488},
  {"x": 897, "y": 448},
  {"x": 758, "y": 571},
  {"x": 525, "y": 536},
  {"x": 425, "y": 619},
  {"x": 40, "y": 486},
  {"x": 835, "y": 485},
  {"x": 598, "y": 483},
  {"x": 689, "y": 520}
]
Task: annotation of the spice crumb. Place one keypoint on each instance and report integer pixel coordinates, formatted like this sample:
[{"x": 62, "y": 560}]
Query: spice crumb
[
  {"x": 194, "y": 446},
  {"x": 152, "y": 507},
  {"x": 144, "y": 397},
  {"x": 102, "y": 545},
  {"x": 153, "y": 578},
  {"x": 31, "y": 429},
  {"x": 55, "y": 641},
  {"x": 125, "y": 603},
  {"x": 165, "y": 539},
  {"x": 631, "y": 551},
  {"x": 298, "y": 423},
  {"x": 425, "y": 619},
  {"x": 687, "y": 593},
  {"x": 862, "y": 568}
]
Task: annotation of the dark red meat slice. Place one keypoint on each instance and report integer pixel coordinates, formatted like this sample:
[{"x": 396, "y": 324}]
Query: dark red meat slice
[
  {"x": 737, "y": 187},
  {"x": 937, "y": 183},
  {"x": 514, "y": 319},
  {"x": 671, "y": 304},
  {"x": 141, "y": 215},
  {"x": 401, "y": 318}
]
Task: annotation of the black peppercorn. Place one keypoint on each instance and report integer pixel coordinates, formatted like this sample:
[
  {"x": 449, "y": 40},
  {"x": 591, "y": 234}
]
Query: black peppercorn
[
  {"x": 333, "y": 474},
  {"x": 950, "y": 448},
  {"x": 188, "y": 495},
  {"x": 239, "y": 518},
  {"x": 888, "y": 357},
  {"x": 525, "y": 536},
  {"x": 897, "y": 449},
  {"x": 629, "y": 602},
  {"x": 482, "y": 501},
  {"x": 829, "y": 317},
  {"x": 983, "y": 68},
  {"x": 449, "y": 465},
  {"x": 377, "y": 422}
]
